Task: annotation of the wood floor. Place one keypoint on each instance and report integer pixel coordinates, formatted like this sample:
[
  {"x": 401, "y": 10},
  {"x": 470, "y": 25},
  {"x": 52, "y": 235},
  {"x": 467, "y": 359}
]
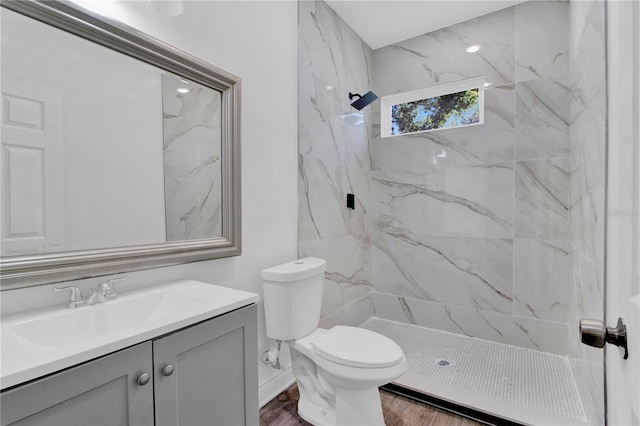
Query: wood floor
[{"x": 398, "y": 411}]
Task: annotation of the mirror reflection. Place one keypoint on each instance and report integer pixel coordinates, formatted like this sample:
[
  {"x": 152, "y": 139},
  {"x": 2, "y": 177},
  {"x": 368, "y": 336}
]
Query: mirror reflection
[
  {"x": 192, "y": 149},
  {"x": 101, "y": 150}
]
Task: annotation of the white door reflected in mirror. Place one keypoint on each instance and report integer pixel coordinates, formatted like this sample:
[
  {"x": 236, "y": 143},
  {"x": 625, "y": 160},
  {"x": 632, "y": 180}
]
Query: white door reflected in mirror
[{"x": 97, "y": 153}]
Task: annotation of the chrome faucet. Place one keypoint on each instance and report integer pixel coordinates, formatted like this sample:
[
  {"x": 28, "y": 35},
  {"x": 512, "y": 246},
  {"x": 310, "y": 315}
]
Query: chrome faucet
[
  {"x": 103, "y": 293},
  {"x": 76, "y": 296}
]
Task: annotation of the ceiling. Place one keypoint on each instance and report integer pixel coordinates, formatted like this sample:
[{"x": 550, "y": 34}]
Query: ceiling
[{"x": 383, "y": 22}]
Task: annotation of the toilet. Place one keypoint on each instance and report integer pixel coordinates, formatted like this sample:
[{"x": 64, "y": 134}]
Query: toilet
[{"x": 339, "y": 370}]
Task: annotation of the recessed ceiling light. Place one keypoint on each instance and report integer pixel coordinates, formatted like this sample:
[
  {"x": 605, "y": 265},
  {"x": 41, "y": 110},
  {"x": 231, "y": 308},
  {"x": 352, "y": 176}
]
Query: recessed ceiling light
[
  {"x": 167, "y": 7},
  {"x": 183, "y": 90},
  {"x": 473, "y": 48},
  {"x": 329, "y": 87}
]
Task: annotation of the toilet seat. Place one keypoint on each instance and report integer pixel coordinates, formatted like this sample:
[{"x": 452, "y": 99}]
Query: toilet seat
[{"x": 357, "y": 347}]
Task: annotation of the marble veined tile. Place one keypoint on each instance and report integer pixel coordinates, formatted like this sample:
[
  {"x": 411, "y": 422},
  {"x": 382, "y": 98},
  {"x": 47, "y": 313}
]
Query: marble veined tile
[
  {"x": 439, "y": 316},
  {"x": 322, "y": 192},
  {"x": 588, "y": 76},
  {"x": 588, "y": 204},
  {"x": 441, "y": 57},
  {"x": 471, "y": 272},
  {"x": 588, "y": 282},
  {"x": 544, "y": 336},
  {"x": 469, "y": 201},
  {"x": 588, "y": 86},
  {"x": 348, "y": 275},
  {"x": 542, "y": 118},
  {"x": 192, "y": 170},
  {"x": 542, "y": 199},
  {"x": 333, "y": 61},
  {"x": 353, "y": 314},
  {"x": 542, "y": 288},
  {"x": 586, "y": 16},
  {"x": 542, "y": 39},
  {"x": 588, "y": 128},
  {"x": 588, "y": 45},
  {"x": 337, "y": 295},
  {"x": 491, "y": 142},
  {"x": 588, "y": 142},
  {"x": 334, "y": 135}
]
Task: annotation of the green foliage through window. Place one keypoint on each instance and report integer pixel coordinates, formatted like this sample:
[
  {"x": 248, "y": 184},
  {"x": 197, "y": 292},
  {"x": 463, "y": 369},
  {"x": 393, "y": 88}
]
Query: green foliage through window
[{"x": 452, "y": 110}]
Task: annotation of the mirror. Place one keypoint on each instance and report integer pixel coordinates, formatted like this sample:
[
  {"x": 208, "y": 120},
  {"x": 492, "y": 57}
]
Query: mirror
[{"x": 119, "y": 153}]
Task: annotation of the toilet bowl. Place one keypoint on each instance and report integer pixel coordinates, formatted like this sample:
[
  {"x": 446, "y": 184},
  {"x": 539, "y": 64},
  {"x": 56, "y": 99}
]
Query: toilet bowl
[
  {"x": 338, "y": 370},
  {"x": 348, "y": 364}
]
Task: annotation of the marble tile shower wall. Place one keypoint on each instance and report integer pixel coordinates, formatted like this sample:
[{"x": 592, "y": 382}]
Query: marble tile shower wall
[
  {"x": 334, "y": 160},
  {"x": 495, "y": 231},
  {"x": 587, "y": 181},
  {"x": 471, "y": 227}
]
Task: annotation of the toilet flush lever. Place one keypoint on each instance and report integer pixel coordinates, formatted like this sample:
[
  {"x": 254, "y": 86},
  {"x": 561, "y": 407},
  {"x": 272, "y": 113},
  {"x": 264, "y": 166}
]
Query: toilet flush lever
[{"x": 594, "y": 333}]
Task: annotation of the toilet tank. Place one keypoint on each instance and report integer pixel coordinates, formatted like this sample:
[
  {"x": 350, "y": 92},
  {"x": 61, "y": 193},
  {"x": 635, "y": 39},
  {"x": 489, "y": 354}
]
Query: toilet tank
[{"x": 293, "y": 297}]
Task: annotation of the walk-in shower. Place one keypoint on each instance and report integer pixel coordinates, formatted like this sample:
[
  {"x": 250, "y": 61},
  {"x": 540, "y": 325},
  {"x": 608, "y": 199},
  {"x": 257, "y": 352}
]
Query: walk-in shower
[{"x": 477, "y": 249}]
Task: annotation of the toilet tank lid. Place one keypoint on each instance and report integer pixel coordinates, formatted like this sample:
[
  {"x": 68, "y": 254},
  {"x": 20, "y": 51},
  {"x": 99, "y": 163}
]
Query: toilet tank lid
[{"x": 296, "y": 270}]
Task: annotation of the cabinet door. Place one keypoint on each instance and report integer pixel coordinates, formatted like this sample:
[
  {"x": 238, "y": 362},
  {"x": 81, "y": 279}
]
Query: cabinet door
[
  {"x": 215, "y": 373},
  {"x": 101, "y": 392}
]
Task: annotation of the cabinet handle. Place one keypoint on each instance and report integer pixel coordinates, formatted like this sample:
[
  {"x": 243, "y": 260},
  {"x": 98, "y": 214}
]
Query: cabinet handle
[
  {"x": 168, "y": 370},
  {"x": 143, "y": 379}
]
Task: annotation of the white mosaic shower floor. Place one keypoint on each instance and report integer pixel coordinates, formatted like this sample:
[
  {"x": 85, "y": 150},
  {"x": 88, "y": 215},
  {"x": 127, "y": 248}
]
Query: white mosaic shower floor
[{"x": 518, "y": 384}]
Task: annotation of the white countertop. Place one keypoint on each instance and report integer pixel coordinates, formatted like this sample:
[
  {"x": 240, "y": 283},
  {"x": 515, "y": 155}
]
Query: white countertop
[{"x": 37, "y": 343}]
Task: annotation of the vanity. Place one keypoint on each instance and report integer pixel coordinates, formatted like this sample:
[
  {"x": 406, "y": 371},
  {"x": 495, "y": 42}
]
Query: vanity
[{"x": 181, "y": 353}]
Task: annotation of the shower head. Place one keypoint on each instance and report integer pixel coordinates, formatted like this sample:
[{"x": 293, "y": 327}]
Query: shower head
[{"x": 363, "y": 100}]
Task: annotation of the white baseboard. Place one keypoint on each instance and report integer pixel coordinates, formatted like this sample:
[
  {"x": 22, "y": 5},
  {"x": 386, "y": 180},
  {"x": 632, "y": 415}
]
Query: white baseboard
[{"x": 276, "y": 384}]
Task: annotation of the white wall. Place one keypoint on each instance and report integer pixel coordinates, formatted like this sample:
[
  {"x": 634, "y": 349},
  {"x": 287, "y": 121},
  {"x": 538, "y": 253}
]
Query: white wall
[{"x": 257, "y": 42}]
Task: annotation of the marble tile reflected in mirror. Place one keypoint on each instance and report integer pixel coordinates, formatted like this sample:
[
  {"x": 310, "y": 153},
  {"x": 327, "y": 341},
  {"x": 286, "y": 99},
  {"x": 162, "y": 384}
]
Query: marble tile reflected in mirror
[{"x": 192, "y": 134}]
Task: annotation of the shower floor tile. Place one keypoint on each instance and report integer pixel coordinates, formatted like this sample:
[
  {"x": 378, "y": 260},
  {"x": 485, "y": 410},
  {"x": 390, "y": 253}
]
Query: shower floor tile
[{"x": 518, "y": 384}]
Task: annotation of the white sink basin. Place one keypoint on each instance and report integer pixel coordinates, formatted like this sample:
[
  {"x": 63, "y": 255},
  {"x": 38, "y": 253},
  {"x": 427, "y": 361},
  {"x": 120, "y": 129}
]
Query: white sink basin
[
  {"x": 63, "y": 327},
  {"x": 39, "y": 343}
]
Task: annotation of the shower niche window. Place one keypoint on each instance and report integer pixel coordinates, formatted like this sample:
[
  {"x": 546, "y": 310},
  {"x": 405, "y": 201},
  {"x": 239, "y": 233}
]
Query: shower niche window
[{"x": 440, "y": 107}]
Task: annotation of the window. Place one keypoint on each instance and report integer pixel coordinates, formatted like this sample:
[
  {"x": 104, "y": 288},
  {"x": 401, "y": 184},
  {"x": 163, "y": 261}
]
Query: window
[{"x": 434, "y": 108}]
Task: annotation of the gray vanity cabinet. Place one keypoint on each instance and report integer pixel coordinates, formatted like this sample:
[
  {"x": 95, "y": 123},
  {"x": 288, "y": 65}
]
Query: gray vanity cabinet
[
  {"x": 213, "y": 380},
  {"x": 208, "y": 374},
  {"x": 101, "y": 392}
]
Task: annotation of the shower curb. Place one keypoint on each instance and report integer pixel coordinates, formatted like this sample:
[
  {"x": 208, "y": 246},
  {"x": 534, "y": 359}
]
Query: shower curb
[{"x": 460, "y": 410}]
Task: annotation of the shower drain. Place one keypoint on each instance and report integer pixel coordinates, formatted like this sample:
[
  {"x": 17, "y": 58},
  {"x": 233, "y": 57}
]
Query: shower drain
[{"x": 444, "y": 363}]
